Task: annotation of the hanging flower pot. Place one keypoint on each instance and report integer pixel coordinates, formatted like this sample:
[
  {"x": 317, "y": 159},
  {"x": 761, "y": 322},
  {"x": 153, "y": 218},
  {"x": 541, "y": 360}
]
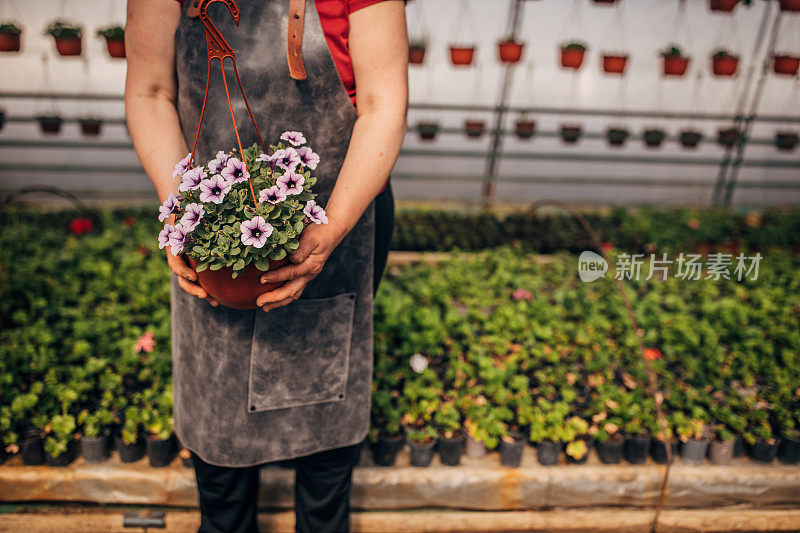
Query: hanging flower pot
[
  {"x": 50, "y": 124},
  {"x": 524, "y": 128},
  {"x": 725, "y": 6},
  {"x": 462, "y": 55},
  {"x": 606, "y": 2},
  {"x": 9, "y": 37},
  {"x": 115, "y": 40},
  {"x": 510, "y": 51},
  {"x": 474, "y": 128},
  {"x": 614, "y": 64},
  {"x": 790, "y": 5},
  {"x": 786, "y": 64},
  {"x": 728, "y": 136},
  {"x": 67, "y": 38},
  {"x": 653, "y": 137},
  {"x": 617, "y": 136},
  {"x": 724, "y": 64},
  {"x": 570, "y": 134},
  {"x": 428, "y": 130},
  {"x": 675, "y": 63},
  {"x": 90, "y": 126},
  {"x": 690, "y": 138},
  {"x": 786, "y": 140},
  {"x": 2, "y": 119},
  {"x": 416, "y": 52},
  {"x": 572, "y": 55}
]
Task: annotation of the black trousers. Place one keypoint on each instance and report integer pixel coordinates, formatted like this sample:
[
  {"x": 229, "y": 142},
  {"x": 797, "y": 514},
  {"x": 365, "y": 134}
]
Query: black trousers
[{"x": 229, "y": 496}]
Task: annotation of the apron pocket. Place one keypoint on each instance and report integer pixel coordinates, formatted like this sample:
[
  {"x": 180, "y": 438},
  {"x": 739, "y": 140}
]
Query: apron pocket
[{"x": 300, "y": 353}]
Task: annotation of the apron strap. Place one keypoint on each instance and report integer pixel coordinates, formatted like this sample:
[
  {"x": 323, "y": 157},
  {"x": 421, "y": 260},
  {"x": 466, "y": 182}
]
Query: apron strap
[{"x": 294, "y": 39}]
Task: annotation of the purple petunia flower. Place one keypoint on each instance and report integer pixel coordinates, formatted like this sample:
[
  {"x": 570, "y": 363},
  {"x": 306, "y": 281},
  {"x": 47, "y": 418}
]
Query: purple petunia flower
[
  {"x": 315, "y": 213},
  {"x": 286, "y": 158},
  {"x": 273, "y": 195},
  {"x": 256, "y": 231},
  {"x": 218, "y": 163},
  {"x": 307, "y": 157},
  {"x": 177, "y": 238},
  {"x": 214, "y": 189},
  {"x": 235, "y": 171},
  {"x": 291, "y": 183},
  {"x": 181, "y": 166},
  {"x": 192, "y": 179},
  {"x": 168, "y": 207},
  {"x": 191, "y": 216},
  {"x": 294, "y": 137},
  {"x": 163, "y": 236}
]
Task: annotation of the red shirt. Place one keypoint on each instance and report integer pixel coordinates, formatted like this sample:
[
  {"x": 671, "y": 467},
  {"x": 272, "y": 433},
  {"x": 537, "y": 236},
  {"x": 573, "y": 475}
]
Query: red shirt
[{"x": 333, "y": 16}]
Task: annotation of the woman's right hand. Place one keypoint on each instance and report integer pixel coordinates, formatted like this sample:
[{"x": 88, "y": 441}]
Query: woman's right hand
[{"x": 187, "y": 277}]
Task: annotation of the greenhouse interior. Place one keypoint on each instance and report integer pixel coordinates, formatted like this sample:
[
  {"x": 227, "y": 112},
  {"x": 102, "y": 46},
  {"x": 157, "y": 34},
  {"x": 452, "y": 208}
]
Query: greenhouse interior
[{"x": 545, "y": 277}]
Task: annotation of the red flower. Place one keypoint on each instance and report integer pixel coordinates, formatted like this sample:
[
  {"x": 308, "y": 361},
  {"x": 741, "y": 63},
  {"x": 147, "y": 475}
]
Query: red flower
[
  {"x": 130, "y": 221},
  {"x": 79, "y": 226},
  {"x": 607, "y": 246},
  {"x": 652, "y": 354},
  {"x": 145, "y": 343},
  {"x": 693, "y": 224},
  {"x": 522, "y": 294}
]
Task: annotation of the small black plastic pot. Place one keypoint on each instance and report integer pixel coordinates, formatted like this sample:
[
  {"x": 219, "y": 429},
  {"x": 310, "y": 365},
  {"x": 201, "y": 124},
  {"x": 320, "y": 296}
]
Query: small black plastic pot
[
  {"x": 450, "y": 449},
  {"x": 32, "y": 449},
  {"x": 427, "y": 130},
  {"x": 658, "y": 450},
  {"x": 129, "y": 453},
  {"x": 693, "y": 451},
  {"x": 617, "y": 136},
  {"x": 50, "y": 124},
  {"x": 547, "y": 452},
  {"x": 786, "y": 141},
  {"x": 94, "y": 449},
  {"x": 610, "y": 451},
  {"x": 511, "y": 452},
  {"x": 720, "y": 452},
  {"x": 762, "y": 452},
  {"x": 65, "y": 458},
  {"x": 571, "y": 134},
  {"x": 728, "y": 137},
  {"x": 738, "y": 446},
  {"x": 789, "y": 450},
  {"x": 421, "y": 453},
  {"x": 690, "y": 138},
  {"x": 636, "y": 448},
  {"x": 384, "y": 452},
  {"x": 654, "y": 137},
  {"x": 160, "y": 452}
]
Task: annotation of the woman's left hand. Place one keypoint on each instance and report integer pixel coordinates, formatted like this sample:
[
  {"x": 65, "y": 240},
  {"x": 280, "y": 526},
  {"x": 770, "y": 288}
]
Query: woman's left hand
[{"x": 317, "y": 242}]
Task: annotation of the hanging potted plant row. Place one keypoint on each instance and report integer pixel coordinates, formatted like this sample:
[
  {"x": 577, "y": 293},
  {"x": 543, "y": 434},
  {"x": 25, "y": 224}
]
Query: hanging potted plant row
[
  {"x": 462, "y": 55},
  {"x": 786, "y": 64},
  {"x": 725, "y": 6},
  {"x": 653, "y": 137},
  {"x": 615, "y": 63},
  {"x": 67, "y": 38},
  {"x": 786, "y": 140},
  {"x": 90, "y": 126},
  {"x": 50, "y": 124},
  {"x": 570, "y": 133},
  {"x": 690, "y": 138},
  {"x": 724, "y": 63},
  {"x": 9, "y": 37},
  {"x": 115, "y": 40},
  {"x": 572, "y": 55},
  {"x": 428, "y": 130},
  {"x": 474, "y": 128},
  {"x": 416, "y": 52},
  {"x": 617, "y": 136},
  {"x": 524, "y": 127},
  {"x": 510, "y": 50},
  {"x": 675, "y": 63}
]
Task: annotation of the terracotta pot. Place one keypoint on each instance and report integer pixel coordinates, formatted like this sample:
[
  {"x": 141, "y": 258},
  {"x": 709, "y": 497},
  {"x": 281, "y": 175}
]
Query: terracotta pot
[
  {"x": 653, "y": 137},
  {"x": 9, "y": 42},
  {"x": 613, "y": 64},
  {"x": 722, "y": 5},
  {"x": 525, "y": 128},
  {"x": 790, "y": 5},
  {"x": 427, "y": 130},
  {"x": 724, "y": 65},
  {"x": 690, "y": 138},
  {"x": 675, "y": 65},
  {"x": 462, "y": 55},
  {"x": 786, "y": 64},
  {"x": 616, "y": 136},
  {"x": 474, "y": 128},
  {"x": 510, "y": 51},
  {"x": 416, "y": 54},
  {"x": 90, "y": 126},
  {"x": 728, "y": 136},
  {"x": 50, "y": 124},
  {"x": 69, "y": 47},
  {"x": 116, "y": 48},
  {"x": 571, "y": 134},
  {"x": 572, "y": 57},
  {"x": 239, "y": 293},
  {"x": 786, "y": 140}
]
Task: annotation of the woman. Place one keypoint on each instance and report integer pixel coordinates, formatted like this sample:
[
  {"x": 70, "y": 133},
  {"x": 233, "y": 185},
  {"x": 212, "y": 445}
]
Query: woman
[{"x": 291, "y": 380}]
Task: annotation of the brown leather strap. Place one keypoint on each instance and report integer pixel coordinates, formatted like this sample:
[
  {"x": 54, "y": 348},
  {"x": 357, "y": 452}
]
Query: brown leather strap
[{"x": 294, "y": 39}]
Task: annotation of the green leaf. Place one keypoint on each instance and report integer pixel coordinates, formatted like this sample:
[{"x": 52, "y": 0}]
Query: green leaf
[
  {"x": 277, "y": 254},
  {"x": 202, "y": 266},
  {"x": 238, "y": 265}
]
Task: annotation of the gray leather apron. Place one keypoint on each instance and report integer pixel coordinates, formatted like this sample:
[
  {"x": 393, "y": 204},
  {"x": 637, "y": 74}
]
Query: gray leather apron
[{"x": 252, "y": 387}]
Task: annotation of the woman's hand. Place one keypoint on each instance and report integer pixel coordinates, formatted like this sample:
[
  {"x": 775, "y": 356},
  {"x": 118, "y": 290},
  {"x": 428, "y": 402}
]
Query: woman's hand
[
  {"x": 317, "y": 242},
  {"x": 187, "y": 277}
]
